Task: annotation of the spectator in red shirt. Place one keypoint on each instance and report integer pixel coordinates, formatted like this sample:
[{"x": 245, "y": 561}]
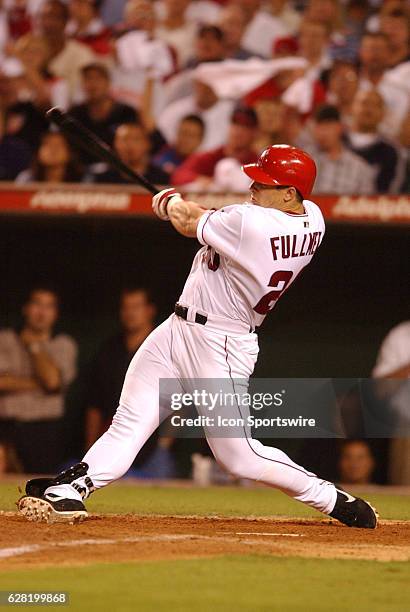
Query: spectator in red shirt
[
  {"x": 199, "y": 168},
  {"x": 86, "y": 26}
]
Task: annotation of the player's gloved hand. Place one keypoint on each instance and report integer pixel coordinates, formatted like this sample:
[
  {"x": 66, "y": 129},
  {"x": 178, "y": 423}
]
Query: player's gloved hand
[{"x": 161, "y": 200}]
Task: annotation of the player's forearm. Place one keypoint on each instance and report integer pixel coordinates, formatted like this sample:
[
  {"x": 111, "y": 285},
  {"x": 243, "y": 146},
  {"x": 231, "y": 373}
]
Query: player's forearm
[
  {"x": 184, "y": 216},
  {"x": 14, "y": 384}
]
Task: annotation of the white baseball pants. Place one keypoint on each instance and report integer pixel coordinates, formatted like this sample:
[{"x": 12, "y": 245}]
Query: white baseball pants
[{"x": 185, "y": 350}]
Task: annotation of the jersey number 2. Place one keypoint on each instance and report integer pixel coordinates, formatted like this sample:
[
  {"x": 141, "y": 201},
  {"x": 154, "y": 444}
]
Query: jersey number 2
[{"x": 280, "y": 278}]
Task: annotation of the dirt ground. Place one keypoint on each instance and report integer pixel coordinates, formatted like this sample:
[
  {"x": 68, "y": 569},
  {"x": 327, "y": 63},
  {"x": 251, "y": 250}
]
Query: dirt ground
[{"x": 114, "y": 538}]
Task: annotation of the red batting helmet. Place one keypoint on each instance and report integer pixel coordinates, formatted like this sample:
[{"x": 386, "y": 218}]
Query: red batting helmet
[{"x": 284, "y": 165}]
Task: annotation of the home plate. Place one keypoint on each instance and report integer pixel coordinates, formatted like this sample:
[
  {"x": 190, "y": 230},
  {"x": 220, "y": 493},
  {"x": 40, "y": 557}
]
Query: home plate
[{"x": 259, "y": 533}]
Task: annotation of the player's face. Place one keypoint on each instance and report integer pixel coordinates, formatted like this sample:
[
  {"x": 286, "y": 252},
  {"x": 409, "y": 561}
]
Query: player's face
[
  {"x": 268, "y": 196},
  {"x": 136, "y": 312},
  {"x": 41, "y": 311}
]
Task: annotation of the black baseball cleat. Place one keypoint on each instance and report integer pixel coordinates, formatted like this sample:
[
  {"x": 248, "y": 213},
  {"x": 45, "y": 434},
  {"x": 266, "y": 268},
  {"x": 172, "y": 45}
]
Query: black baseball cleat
[
  {"x": 52, "y": 509},
  {"x": 36, "y": 506},
  {"x": 354, "y": 512}
]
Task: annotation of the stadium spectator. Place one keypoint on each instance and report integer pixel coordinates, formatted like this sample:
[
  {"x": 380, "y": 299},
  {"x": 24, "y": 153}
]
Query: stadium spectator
[
  {"x": 262, "y": 30},
  {"x": 15, "y": 154},
  {"x": 43, "y": 88},
  {"x": 138, "y": 48},
  {"x": 313, "y": 41},
  {"x": 203, "y": 102},
  {"x": 86, "y": 26},
  {"x": 132, "y": 144},
  {"x": 136, "y": 315},
  {"x": 285, "y": 12},
  {"x": 342, "y": 86},
  {"x": 66, "y": 57},
  {"x": 396, "y": 27},
  {"x": 272, "y": 125},
  {"x": 36, "y": 367},
  {"x": 54, "y": 162},
  {"x": 140, "y": 54},
  {"x": 19, "y": 19},
  {"x": 345, "y": 44},
  {"x": 392, "y": 371},
  {"x": 8, "y": 459},
  {"x": 189, "y": 137},
  {"x": 232, "y": 21},
  {"x": 307, "y": 92},
  {"x": 174, "y": 29},
  {"x": 204, "y": 11},
  {"x": 209, "y": 46},
  {"x": 22, "y": 119},
  {"x": 112, "y": 12},
  {"x": 222, "y": 166},
  {"x": 364, "y": 139},
  {"x": 356, "y": 463},
  {"x": 375, "y": 57},
  {"x": 328, "y": 12},
  {"x": 100, "y": 112},
  {"x": 339, "y": 171}
]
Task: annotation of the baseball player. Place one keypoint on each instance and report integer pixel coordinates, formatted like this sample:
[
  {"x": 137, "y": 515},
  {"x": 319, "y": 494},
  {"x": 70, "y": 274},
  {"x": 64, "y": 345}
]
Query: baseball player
[{"x": 251, "y": 253}]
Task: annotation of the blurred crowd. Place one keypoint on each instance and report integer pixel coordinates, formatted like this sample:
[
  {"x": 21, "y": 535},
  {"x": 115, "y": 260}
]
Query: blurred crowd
[
  {"x": 188, "y": 90},
  {"x": 39, "y": 364}
]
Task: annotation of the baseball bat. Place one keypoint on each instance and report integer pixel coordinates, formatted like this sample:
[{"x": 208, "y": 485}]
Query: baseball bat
[{"x": 90, "y": 142}]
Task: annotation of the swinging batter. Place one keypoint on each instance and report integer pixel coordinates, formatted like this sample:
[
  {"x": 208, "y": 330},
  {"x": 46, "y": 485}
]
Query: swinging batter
[{"x": 251, "y": 254}]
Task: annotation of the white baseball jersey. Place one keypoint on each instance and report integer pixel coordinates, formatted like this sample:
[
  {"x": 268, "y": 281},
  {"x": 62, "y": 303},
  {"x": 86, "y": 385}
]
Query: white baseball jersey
[{"x": 251, "y": 255}]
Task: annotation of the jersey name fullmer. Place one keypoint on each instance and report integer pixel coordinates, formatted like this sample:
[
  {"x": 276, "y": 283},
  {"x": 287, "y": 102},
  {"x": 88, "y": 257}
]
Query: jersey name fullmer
[
  {"x": 250, "y": 257},
  {"x": 295, "y": 245}
]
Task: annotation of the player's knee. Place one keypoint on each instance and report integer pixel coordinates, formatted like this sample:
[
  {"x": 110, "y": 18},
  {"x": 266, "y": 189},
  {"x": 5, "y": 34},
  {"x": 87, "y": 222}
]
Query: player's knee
[{"x": 239, "y": 466}]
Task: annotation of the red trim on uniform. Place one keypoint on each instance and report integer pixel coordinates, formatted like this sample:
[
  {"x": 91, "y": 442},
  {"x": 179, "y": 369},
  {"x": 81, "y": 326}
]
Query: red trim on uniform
[{"x": 203, "y": 227}]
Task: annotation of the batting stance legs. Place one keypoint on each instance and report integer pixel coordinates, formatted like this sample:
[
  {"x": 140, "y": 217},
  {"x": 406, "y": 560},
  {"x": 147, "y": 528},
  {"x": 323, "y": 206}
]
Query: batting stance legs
[{"x": 181, "y": 350}]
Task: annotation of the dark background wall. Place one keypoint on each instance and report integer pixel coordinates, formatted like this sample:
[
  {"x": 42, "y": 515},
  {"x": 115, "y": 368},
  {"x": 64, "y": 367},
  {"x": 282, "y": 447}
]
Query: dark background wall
[{"x": 330, "y": 323}]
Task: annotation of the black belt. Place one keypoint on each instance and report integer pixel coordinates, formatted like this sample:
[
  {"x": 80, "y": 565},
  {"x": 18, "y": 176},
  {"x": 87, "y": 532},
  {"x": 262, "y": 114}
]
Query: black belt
[{"x": 182, "y": 311}]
